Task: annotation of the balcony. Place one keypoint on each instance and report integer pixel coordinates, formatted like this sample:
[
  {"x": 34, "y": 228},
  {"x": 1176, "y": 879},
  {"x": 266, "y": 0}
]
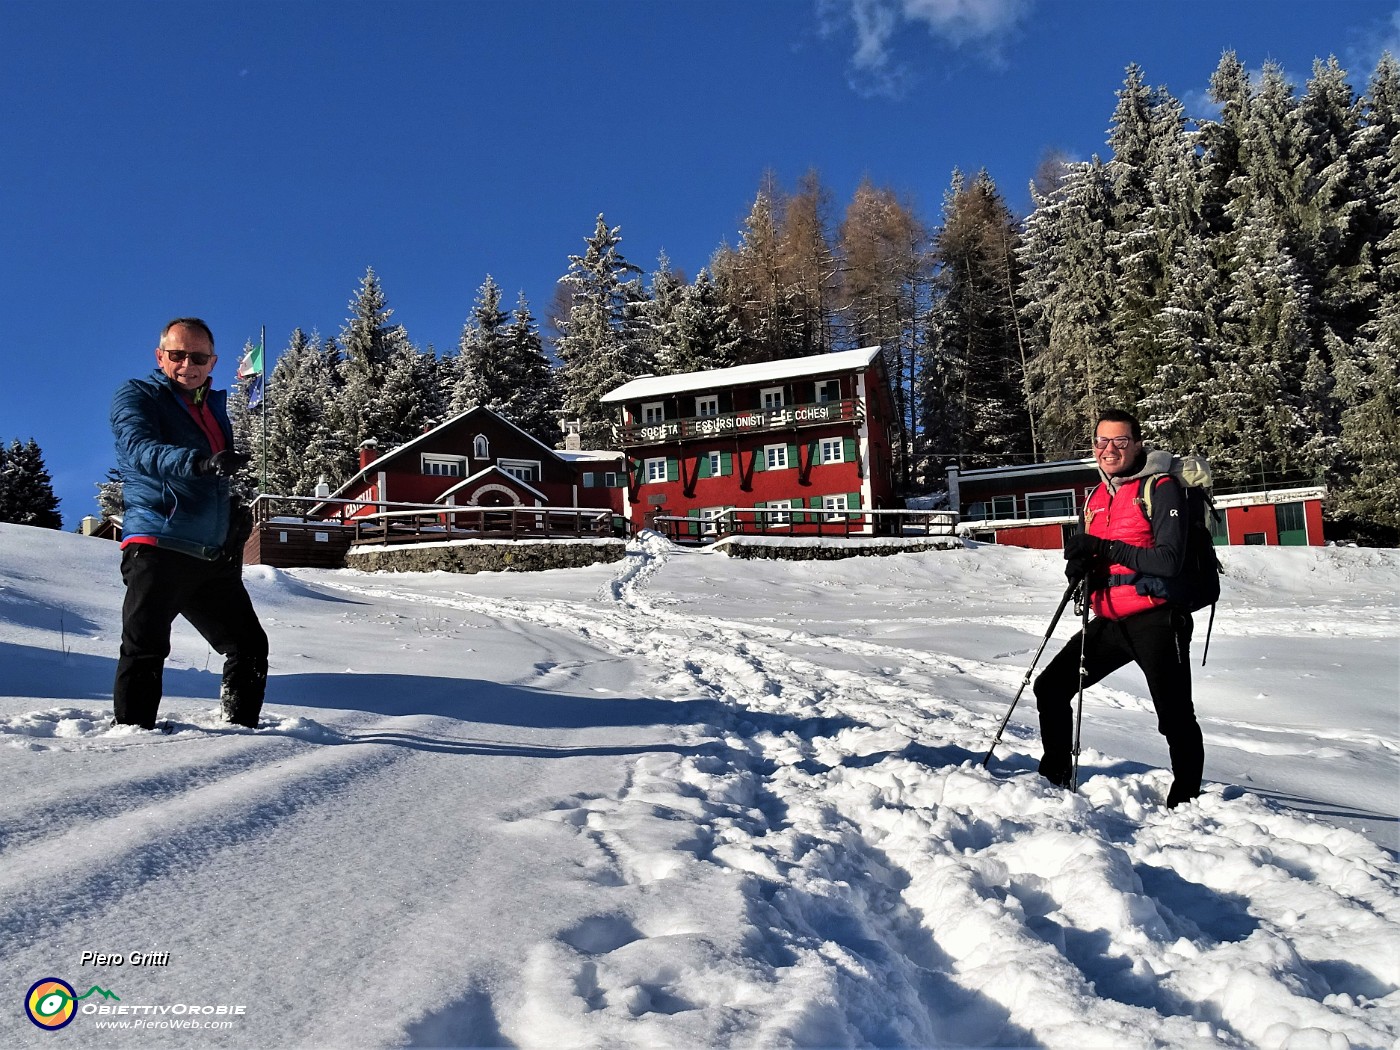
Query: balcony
[{"x": 751, "y": 421}]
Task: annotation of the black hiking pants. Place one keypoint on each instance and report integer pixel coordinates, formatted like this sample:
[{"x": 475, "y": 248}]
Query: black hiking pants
[
  {"x": 163, "y": 584},
  {"x": 1157, "y": 641}
]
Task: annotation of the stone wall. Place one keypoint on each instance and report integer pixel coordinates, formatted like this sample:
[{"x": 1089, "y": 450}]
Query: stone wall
[
  {"x": 833, "y": 550},
  {"x": 485, "y": 557}
]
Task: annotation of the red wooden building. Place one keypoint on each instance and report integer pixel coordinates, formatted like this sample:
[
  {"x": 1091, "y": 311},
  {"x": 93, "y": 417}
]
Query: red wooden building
[
  {"x": 1038, "y": 505},
  {"x": 481, "y": 459},
  {"x": 789, "y": 439}
]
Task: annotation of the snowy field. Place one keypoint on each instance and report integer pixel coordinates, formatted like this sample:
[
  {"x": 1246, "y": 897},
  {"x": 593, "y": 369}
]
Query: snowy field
[{"x": 692, "y": 801}]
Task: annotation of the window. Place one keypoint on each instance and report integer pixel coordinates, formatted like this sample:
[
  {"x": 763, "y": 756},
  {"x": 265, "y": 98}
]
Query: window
[
  {"x": 1050, "y": 504},
  {"x": 610, "y": 480},
  {"x": 710, "y": 519},
  {"x": 656, "y": 469},
  {"x": 777, "y": 512},
  {"x": 481, "y": 448},
  {"x": 707, "y": 406},
  {"x": 716, "y": 464},
  {"x": 834, "y": 503},
  {"x": 828, "y": 390},
  {"x": 775, "y": 457},
  {"x": 526, "y": 470},
  {"x": 772, "y": 398},
  {"x": 443, "y": 466},
  {"x": 655, "y": 412},
  {"x": 1003, "y": 508},
  {"x": 832, "y": 451}
]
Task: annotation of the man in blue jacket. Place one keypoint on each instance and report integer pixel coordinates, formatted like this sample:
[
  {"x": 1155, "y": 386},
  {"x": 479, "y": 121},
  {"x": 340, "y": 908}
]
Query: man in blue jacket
[{"x": 182, "y": 530}]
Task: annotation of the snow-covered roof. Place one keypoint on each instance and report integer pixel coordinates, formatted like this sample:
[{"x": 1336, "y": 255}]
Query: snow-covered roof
[
  {"x": 596, "y": 455},
  {"x": 744, "y": 375}
]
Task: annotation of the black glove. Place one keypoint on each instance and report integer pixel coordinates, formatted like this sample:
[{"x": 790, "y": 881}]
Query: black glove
[
  {"x": 1084, "y": 555},
  {"x": 1081, "y": 545},
  {"x": 225, "y": 464}
]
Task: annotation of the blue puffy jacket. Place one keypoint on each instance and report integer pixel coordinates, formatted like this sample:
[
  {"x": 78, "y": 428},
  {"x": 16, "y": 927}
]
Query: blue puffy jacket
[{"x": 158, "y": 445}]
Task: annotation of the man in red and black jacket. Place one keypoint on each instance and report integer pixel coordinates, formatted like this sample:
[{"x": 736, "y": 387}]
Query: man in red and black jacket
[{"x": 1116, "y": 548}]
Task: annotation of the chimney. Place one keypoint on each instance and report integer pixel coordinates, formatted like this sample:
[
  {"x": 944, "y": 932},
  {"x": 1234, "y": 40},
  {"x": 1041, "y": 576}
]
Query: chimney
[
  {"x": 90, "y": 525},
  {"x": 573, "y": 441},
  {"x": 323, "y": 488},
  {"x": 369, "y": 452}
]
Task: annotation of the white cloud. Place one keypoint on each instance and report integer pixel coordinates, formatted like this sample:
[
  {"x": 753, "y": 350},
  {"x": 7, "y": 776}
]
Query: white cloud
[{"x": 875, "y": 24}]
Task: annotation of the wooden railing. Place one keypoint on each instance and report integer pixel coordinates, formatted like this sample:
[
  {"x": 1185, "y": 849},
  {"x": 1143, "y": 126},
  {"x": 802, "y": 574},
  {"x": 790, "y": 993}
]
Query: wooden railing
[
  {"x": 422, "y": 525},
  {"x": 801, "y": 521}
]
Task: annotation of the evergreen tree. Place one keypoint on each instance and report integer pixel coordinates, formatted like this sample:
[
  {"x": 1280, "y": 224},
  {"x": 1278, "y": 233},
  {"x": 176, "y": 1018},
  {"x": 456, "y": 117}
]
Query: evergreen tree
[
  {"x": 482, "y": 370},
  {"x": 111, "y": 502},
  {"x": 389, "y": 389},
  {"x": 533, "y": 405},
  {"x": 976, "y": 408},
  {"x": 753, "y": 276},
  {"x": 707, "y": 334},
  {"x": 662, "y": 323},
  {"x": 598, "y": 346},
  {"x": 26, "y": 490},
  {"x": 1070, "y": 292},
  {"x": 307, "y": 438}
]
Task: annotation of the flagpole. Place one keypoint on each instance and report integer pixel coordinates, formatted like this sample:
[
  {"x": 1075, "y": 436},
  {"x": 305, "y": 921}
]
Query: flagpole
[{"x": 262, "y": 341}]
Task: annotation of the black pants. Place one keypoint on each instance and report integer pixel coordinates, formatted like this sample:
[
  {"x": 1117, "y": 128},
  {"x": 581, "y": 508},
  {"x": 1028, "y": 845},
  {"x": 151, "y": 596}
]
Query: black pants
[
  {"x": 163, "y": 584},
  {"x": 1157, "y": 641}
]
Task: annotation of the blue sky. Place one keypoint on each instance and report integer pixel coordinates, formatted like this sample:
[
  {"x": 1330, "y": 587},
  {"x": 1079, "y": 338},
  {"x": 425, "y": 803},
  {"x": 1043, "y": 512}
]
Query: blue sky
[{"x": 246, "y": 161}]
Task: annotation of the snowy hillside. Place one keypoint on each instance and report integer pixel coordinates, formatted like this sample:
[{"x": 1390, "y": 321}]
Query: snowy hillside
[{"x": 692, "y": 801}]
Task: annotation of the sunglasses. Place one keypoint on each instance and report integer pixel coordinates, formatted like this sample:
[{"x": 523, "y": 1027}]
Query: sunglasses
[
  {"x": 195, "y": 358},
  {"x": 1119, "y": 443}
]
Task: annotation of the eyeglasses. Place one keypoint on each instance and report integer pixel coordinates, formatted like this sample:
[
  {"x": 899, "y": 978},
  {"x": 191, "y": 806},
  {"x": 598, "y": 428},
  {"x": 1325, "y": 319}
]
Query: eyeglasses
[
  {"x": 1119, "y": 443},
  {"x": 195, "y": 357}
]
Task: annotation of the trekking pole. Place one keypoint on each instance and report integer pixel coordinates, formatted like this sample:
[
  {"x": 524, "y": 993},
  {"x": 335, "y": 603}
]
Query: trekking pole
[
  {"x": 1083, "y": 673},
  {"x": 1069, "y": 593}
]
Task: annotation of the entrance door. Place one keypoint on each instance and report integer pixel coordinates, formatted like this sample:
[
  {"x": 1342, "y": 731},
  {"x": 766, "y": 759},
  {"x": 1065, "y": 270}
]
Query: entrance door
[{"x": 1292, "y": 525}]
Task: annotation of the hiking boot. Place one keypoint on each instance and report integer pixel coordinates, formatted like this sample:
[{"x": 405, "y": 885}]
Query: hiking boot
[
  {"x": 1058, "y": 771},
  {"x": 1181, "y": 793}
]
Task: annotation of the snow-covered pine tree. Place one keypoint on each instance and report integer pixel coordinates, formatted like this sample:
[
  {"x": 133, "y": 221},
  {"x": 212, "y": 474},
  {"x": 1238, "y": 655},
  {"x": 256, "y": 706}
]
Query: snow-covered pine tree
[
  {"x": 533, "y": 404},
  {"x": 1258, "y": 419},
  {"x": 597, "y": 344},
  {"x": 390, "y": 389},
  {"x": 1070, "y": 283},
  {"x": 661, "y": 323},
  {"x": 707, "y": 331},
  {"x": 26, "y": 490},
  {"x": 306, "y": 438},
  {"x": 1156, "y": 210},
  {"x": 481, "y": 369},
  {"x": 111, "y": 503},
  {"x": 980, "y": 417}
]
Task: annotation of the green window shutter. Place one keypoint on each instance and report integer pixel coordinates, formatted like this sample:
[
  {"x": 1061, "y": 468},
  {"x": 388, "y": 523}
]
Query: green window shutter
[
  {"x": 726, "y": 463},
  {"x": 704, "y": 471},
  {"x": 760, "y": 459},
  {"x": 792, "y": 456},
  {"x": 853, "y": 501},
  {"x": 848, "y": 449},
  {"x": 693, "y": 526},
  {"x": 814, "y": 453},
  {"x": 673, "y": 468}
]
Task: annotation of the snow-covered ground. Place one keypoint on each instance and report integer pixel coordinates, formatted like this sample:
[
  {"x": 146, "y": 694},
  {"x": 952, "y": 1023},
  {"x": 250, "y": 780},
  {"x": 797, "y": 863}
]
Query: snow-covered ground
[{"x": 692, "y": 801}]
